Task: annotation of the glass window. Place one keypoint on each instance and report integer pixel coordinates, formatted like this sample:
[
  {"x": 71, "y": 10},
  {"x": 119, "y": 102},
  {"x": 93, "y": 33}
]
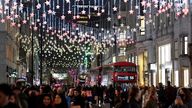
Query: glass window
[
  {"x": 133, "y": 58},
  {"x": 186, "y": 77},
  {"x": 185, "y": 45},
  {"x": 142, "y": 26},
  {"x": 136, "y": 60},
  {"x": 129, "y": 58},
  {"x": 177, "y": 78},
  {"x": 168, "y": 53},
  {"x": 123, "y": 35},
  {"x": 125, "y": 69}
]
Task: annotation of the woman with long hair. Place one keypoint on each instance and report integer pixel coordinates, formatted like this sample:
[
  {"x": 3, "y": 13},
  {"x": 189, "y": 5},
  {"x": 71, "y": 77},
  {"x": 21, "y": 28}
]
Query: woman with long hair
[
  {"x": 46, "y": 101},
  {"x": 186, "y": 97},
  {"x": 152, "y": 99},
  {"x": 60, "y": 101}
]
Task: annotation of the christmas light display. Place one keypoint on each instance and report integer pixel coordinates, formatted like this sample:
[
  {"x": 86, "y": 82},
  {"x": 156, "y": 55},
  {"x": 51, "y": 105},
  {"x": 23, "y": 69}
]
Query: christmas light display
[{"x": 65, "y": 41}]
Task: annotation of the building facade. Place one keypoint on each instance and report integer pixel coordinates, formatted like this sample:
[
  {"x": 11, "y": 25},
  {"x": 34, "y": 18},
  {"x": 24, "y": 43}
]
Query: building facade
[
  {"x": 163, "y": 52},
  {"x": 8, "y": 53}
]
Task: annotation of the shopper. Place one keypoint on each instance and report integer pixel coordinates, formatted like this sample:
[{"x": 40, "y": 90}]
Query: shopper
[
  {"x": 46, "y": 101},
  {"x": 135, "y": 98},
  {"x": 60, "y": 101},
  {"x": 78, "y": 100},
  {"x": 5, "y": 93},
  {"x": 153, "y": 99}
]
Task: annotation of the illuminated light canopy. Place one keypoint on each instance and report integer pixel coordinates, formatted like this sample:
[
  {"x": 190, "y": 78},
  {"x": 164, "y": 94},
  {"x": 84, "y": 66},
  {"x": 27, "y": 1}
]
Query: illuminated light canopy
[{"x": 65, "y": 39}]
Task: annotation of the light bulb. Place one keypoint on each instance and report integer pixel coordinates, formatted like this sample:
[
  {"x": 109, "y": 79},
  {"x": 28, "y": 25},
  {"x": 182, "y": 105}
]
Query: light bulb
[
  {"x": 57, "y": 7},
  {"x": 119, "y": 17},
  {"x": 102, "y": 10}
]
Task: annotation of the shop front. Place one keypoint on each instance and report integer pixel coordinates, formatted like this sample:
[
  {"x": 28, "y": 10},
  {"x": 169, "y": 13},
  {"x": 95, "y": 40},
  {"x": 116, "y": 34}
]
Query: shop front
[
  {"x": 143, "y": 68},
  {"x": 164, "y": 64},
  {"x": 184, "y": 64}
]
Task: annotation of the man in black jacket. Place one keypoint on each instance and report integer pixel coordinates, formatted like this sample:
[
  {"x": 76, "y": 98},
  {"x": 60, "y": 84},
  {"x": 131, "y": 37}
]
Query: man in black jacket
[{"x": 5, "y": 92}]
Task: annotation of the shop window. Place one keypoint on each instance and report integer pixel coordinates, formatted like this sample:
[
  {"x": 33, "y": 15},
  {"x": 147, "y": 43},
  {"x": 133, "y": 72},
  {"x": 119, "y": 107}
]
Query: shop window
[
  {"x": 142, "y": 27},
  {"x": 186, "y": 77},
  {"x": 177, "y": 78},
  {"x": 154, "y": 78},
  {"x": 184, "y": 45},
  {"x": 164, "y": 58},
  {"x": 168, "y": 52}
]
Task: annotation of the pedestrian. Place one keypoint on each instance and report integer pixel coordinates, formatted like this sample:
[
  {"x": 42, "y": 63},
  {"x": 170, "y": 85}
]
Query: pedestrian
[
  {"x": 60, "y": 101},
  {"x": 21, "y": 97},
  {"x": 170, "y": 94},
  {"x": 178, "y": 103},
  {"x": 161, "y": 95},
  {"x": 186, "y": 96},
  {"x": 135, "y": 98},
  {"x": 69, "y": 97},
  {"x": 111, "y": 94},
  {"x": 78, "y": 100},
  {"x": 5, "y": 93},
  {"x": 145, "y": 96},
  {"x": 34, "y": 97},
  {"x": 123, "y": 101},
  {"x": 46, "y": 101},
  {"x": 152, "y": 100}
]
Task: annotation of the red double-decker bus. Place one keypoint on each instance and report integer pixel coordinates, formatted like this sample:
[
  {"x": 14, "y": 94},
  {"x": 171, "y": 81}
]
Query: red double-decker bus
[
  {"x": 124, "y": 72},
  {"x": 119, "y": 73}
]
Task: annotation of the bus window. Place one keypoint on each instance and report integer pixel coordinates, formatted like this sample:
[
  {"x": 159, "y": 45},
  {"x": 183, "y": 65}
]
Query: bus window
[
  {"x": 118, "y": 69},
  {"x": 130, "y": 69},
  {"x": 125, "y": 69}
]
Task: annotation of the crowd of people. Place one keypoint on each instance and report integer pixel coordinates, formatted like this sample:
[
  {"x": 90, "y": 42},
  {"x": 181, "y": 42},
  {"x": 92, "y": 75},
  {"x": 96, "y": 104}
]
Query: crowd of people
[
  {"x": 45, "y": 96},
  {"x": 156, "y": 97}
]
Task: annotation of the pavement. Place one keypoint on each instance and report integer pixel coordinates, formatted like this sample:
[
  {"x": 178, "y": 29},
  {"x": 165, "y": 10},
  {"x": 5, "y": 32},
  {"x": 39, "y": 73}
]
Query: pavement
[{"x": 105, "y": 105}]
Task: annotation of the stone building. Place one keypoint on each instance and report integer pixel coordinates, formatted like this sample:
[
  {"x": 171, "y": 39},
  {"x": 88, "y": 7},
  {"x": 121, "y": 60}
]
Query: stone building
[
  {"x": 163, "y": 51},
  {"x": 8, "y": 53}
]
